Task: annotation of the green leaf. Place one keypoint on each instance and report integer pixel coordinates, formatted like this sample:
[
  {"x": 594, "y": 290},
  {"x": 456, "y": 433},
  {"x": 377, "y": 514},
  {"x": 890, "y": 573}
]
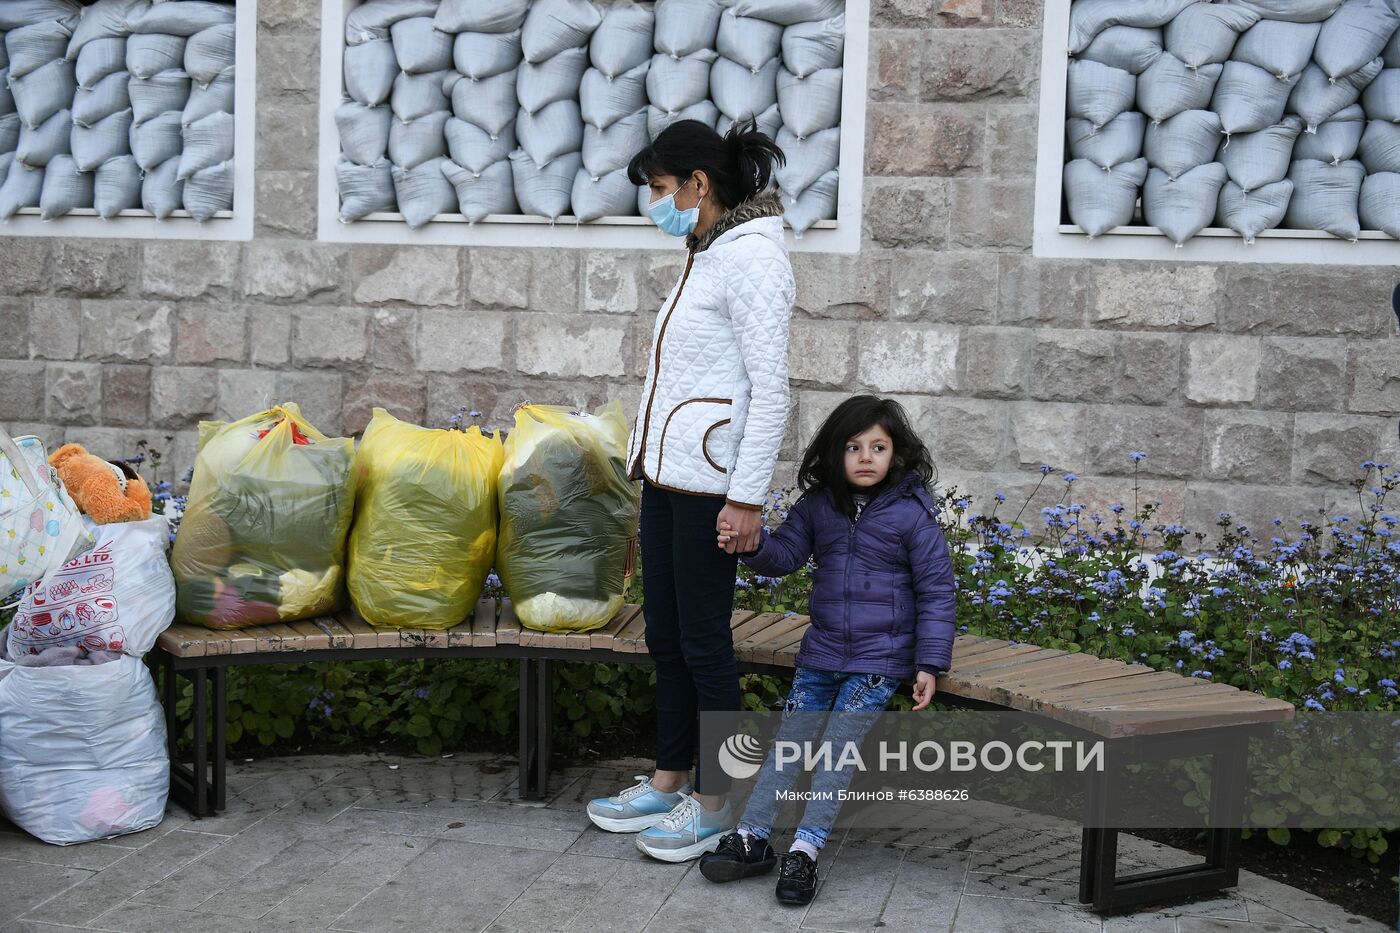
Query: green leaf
[
  {"x": 1329, "y": 838},
  {"x": 1279, "y": 835}
]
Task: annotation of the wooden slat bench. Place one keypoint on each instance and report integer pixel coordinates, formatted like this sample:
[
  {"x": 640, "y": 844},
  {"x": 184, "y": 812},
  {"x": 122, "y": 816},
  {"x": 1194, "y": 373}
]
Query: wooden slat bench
[{"x": 1094, "y": 697}]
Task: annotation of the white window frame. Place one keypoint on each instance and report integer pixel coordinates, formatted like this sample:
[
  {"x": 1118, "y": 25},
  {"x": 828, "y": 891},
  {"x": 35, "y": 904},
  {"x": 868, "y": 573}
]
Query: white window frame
[
  {"x": 236, "y": 224},
  {"x": 841, "y": 235},
  {"x": 1054, "y": 240}
]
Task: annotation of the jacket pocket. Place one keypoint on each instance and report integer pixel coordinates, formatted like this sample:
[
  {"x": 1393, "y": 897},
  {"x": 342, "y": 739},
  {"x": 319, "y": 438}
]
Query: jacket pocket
[{"x": 691, "y": 431}]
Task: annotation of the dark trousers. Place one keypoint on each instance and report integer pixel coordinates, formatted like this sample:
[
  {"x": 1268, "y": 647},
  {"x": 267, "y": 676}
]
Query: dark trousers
[{"x": 687, "y": 599}]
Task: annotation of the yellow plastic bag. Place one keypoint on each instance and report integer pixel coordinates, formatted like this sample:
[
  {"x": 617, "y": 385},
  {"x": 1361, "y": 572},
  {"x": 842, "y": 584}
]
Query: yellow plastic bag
[
  {"x": 424, "y": 537},
  {"x": 262, "y": 538},
  {"x": 568, "y": 517}
]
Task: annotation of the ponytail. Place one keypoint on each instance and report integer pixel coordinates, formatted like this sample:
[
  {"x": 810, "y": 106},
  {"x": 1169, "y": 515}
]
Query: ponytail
[
  {"x": 740, "y": 164},
  {"x": 755, "y": 156}
]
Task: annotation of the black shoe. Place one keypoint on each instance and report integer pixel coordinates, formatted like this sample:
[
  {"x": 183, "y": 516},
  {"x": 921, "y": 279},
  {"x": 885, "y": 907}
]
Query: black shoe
[
  {"x": 738, "y": 857},
  {"x": 797, "y": 879}
]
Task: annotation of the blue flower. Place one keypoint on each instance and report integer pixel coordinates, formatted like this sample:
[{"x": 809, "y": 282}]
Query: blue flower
[
  {"x": 1312, "y": 704},
  {"x": 1138, "y": 456},
  {"x": 421, "y": 693},
  {"x": 1000, "y": 496},
  {"x": 1070, "y": 477},
  {"x": 1285, "y": 664},
  {"x": 1046, "y": 468}
]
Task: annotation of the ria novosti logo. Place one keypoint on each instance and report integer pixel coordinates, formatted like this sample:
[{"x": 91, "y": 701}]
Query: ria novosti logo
[{"x": 741, "y": 756}]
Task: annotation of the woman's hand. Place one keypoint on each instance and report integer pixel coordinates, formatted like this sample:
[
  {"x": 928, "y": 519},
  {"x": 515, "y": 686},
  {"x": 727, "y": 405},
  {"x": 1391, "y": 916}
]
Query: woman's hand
[
  {"x": 924, "y": 686},
  {"x": 738, "y": 529}
]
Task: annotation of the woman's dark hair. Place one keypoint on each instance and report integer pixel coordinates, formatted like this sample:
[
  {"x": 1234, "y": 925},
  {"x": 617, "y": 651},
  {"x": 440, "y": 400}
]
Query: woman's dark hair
[
  {"x": 824, "y": 463},
  {"x": 739, "y": 164}
]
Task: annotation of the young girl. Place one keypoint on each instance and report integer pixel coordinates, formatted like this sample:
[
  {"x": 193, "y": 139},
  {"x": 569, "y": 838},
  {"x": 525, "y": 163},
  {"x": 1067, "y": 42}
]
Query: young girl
[{"x": 882, "y": 609}]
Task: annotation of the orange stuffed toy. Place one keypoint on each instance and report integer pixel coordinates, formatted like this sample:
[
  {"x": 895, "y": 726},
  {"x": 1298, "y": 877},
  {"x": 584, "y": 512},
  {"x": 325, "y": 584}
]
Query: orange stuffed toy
[{"x": 105, "y": 491}]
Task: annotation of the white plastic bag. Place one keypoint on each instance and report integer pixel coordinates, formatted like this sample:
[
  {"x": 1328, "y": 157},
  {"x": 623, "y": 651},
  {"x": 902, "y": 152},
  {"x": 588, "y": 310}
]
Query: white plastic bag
[
  {"x": 162, "y": 194},
  {"x": 489, "y": 16},
  {"x": 673, "y": 84},
  {"x": 1355, "y": 34},
  {"x": 40, "y": 527},
  {"x": 1316, "y": 99},
  {"x": 417, "y": 95},
  {"x": 1248, "y": 98},
  {"x": 739, "y": 92},
  {"x": 1381, "y": 99},
  {"x": 38, "y": 145},
  {"x": 215, "y": 97},
  {"x": 1334, "y": 140},
  {"x": 370, "y": 21},
  {"x": 33, "y": 46},
  {"x": 544, "y": 190},
  {"x": 104, "y": 19},
  {"x": 610, "y": 149},
  {"x": 811, "y": 104},
  {"x": 105, "y": 139},
  {"x": 490, "y": 103},
  {"x": 540, "y": 84},
  {"x": 1380, "y": 147},
  {"x": 684, "y": 27},
  {"x": 157, "y": 140},
  {"x": 148, "y": 54},
  {"x": 106, "y": 98},
  {"x": 209, "y": 191},
  {"x": 552, "y": 132},
  {"x": 807, "y": 159},
  {"x": 701, "y": 111},
  {"x": 419, "y": 141},
  {"x": 210, "y": 53},
  {"x": 65, "y": 188},
  {"x": 206, "y": 143},
  {"x": 1255, "y": 160},
  {"x": 1088, "y": 18},
  {"x": 100, "y": 58},
  {"x": 1380, "y": 203},
  {"x": 44, "y": 91},
  {"x": 609, "y": 195},
  {"x": 1168, "y": 87},
  {"x": 1292, "y": 11},
  {"x": 158, "y": 94},
  {"x": 370, "y": 69},
  {"x": 750, "y": 42},
  {"x": 486, "y": 54},
  {"x": 423, "y": 192},
  {"x": 473, "y": 148},
  {"x": 364, "y": 131},
  {"x": 1206, "y": 33},
  {"x": 184, "y": 18},
  {"x": 818, "y": 202},
  {"x": 21, "y": 189},
  {"x": 1281, "y": 48},
  {"x": 1098, "y": 92},
  {"x": 1177, "y": 145},
  {"x": 788, "y": 12}
]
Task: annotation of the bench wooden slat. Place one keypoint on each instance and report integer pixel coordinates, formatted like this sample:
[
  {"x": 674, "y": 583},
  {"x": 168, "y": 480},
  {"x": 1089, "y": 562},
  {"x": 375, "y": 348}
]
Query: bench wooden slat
[
  {"x": 217, "y": 643},
  {"x": 364, "y": 635},
  {"x": 1076, "y": 673},
  {"x": 738, "y": 617},
  {"x": 966, "y": 647},
  {"x": 781, "y": 627},
  {"x": 288, "y": 638},
  {"x": 1212, "y": 695},
  {"x": 183, "y": 641},
  {"x": 970, "y": 668},
  {"x": 263, "y": 640},
  {"x": 336, "y": 632},
  {"x": 507, "y": 626},
  {"x": 1120, "y": 725},
  {"x": 483, "y": 623},
  {"x": 759, "y": 629},
  {"x": 633, "y": 637},
  {"x": 419, "y": 638},
  {"x": 312, "y": 638},
  {"x": 1037, "y": 667},
  {"x": 1023, "y": 696},
  {"x": 460, "y": 635},
  {"x": 606, "y": 637},
  {"x": 1019, "y": 662},
  {"x": 783, "y": 650}
]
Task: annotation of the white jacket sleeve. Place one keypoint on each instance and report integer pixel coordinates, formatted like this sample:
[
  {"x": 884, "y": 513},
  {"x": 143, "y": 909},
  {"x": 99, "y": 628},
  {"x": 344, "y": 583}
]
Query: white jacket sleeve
[{"x": 761, "y": 294}]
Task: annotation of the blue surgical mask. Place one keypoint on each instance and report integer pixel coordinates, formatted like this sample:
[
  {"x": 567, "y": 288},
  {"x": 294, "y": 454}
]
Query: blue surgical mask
[{"x": 664, "y": 213}]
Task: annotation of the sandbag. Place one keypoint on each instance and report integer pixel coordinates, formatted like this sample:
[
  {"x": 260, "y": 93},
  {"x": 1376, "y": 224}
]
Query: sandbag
[
  {"x": 22, "y": 188},
  {"x": 418, "y": 47},
  {"x": 542, "y": 83},
  {"x": 82, "y": 750},
  {"x": 685, "y": 27},
  {"x": 673, "y": 84},
  {"x": 1185, "y": 141},
  {"x": 1127, "y": 48},
  {"x": 1088, "y": 18},
  {"x": 807, "y": 159},
  {"x": 209, "y": 53},
  {"x": 604, "y": 101},
  {"x": 1355, "y": 34},
  {"x": 418, "y": 141},
  {"x": 1292, "y": 11},
  {"x": 1335, "y": 140},
  {"x": 162, "y": 194},
  {"x": 551, "y": 26},
  {"x": 364, "y": 131},
  {"x": 811, "y": 104},
  {"x": 1206, "y": 33},
  {"x": 1183, "y": 207},
  {"x": 595, "y": 196},
  {"x": 818, "y": 202},
  {"x": 1100, "y": 200},
  {"x": 1381, "y": 99},
  {"x": 215, "y": 97},
  {"x": 17, "y": 13},
  {"x": 622, "y": 40},
  {"x": 157, "y": 140},
  {"x": 1316, "y": 99},
  {"x": 372, "y": 20},
  {"x": 109, "y": 96},
  {"x": 702, "y": 111},
  {"x": 1380, "y": 203},
  {"x": 98, "y": 59},
  {"x": 1391, "y": 55},
  {"x": 9, "y": 135},
  {"x": 31, "y": 47},
  {"x": 149, "y": 54},
  {"x": 7, "y": 100},
  {"x": 551, "y": 132},
  {"x": 117, "y": 596},
  {"x": 38, "y": 145},
  {"x": 748, "y": 41},
  {"x": 1168, "y": 87},
  {"x": 206, "y": 143},
  {"x": 104, "y": 19},
  {"x": 739, "y": 92},
  {"x": 158, "y": 94},
  {"x": 1119, "y": 140},
  {"x": 44, "y": 91},
  {"x": 1380, "y": 147},
  {"x": 207, "y": 192},
  {"x": 65, "y": 188},
  {"x": 473, "y": 148},
  {"x": 1098, "y": 92},
  {"x": 370, "y": 70},
  {"x": 116, "y": 186},
  {"x": 181, "y": 19},
  {"x": 422, "y": 192},
  {"x": 486, "y": 54},
  {"x": 266, "y": 517},
  {"x": 1248, "y": 98},
  {"x": 484, "y": 16},
  {"x": 1325, "y": 197},
  {"x": 1281, "y": 48},
  {"x": 105, "y": 139},
  {"x": 364, "y": 189},
  {"x": 1255, "y": 160},
  {"x": 788, "y": 12},
  {"x": 481, "y": 194},
  {"x": 1251, "y": 213},
  {"x": 610, "y": 149},
  {"x": 810, "y": 47},
  {"x": 769, "y": 122},
  {"x": 424, "y": 538},
  {"x": 489, "y": 103},
  {"x": 568, "y": 517},
  {"x": 417, "y": 95},
  {"x": 544, "y": 190}
]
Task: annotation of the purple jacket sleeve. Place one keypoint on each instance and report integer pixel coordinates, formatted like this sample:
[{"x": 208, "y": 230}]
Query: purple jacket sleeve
[
  {"x": 783, "y": 551},
  {"x": 935, "y": 596}
]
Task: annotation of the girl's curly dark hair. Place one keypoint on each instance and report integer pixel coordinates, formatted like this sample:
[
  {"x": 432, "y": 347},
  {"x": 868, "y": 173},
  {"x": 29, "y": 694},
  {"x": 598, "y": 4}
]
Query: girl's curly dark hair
[{"x": 824, "y": 462}]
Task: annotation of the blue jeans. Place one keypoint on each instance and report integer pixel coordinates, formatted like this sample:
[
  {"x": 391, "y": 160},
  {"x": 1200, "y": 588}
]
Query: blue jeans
[{"x": 859, "y": 698}]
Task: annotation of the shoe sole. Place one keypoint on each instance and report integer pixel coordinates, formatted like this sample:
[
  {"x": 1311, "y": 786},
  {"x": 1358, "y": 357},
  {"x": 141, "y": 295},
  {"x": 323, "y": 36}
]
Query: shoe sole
[
  {"x": 685, "y": 854},
  {"x": 633, "y": 824},
  {"x": 797, "y": 901},
  {"x": 721, "y": 871}
]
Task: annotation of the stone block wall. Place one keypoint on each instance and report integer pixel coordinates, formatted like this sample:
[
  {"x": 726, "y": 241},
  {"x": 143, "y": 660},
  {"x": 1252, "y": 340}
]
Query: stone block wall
[{"x": 1255, "y": 389}]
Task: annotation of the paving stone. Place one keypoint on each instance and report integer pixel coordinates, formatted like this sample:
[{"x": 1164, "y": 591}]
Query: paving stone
[
  {"x": 926, "y": 890},
  {"x": 449, "y": 779},
  {"x": 996, "y": 884},
  {"x": 506, "y": 811},
  {"x": 299, "y": 864},
  {"x": 370, "y": 860},
  {"x": 557, "y": 897},
  {"x": 691, "y": 908},
  {"x": 222, "y": 869},
  {"x": 146, "y": 918},
  {"x": 1220, "y": 907},
  {"x": 1000, "y": 914},
  {"x": 19, "y": 846},
  {"x": 632, "y": 896},
  {"x": 855, "y": 882},
  {"x": 25, "y": 886},
  {"x": 1139, "y": 923}
]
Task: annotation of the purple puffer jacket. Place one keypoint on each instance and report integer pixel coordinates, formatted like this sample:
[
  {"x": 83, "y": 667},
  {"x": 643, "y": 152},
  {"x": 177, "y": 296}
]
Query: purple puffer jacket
[{"x": 882, "y": 596}]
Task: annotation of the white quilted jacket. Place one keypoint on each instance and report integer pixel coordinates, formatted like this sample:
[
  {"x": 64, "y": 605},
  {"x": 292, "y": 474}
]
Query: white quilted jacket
[{"x": 715, "y": 401}]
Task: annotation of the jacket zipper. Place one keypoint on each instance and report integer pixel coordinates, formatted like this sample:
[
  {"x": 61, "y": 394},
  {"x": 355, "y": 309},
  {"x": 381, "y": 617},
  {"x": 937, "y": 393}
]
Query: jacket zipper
[
  {"x": 850, "y": 561},
  {"x": 656, "y": 372}
]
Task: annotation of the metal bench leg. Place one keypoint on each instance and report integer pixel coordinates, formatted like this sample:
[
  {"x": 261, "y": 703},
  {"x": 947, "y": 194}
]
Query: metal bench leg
[
  {"x": 201, "y": 741},
  {"x": 528, "y": 789},
  {"x": 545, "y": 730},
  {"x": 220, "y": 792}
]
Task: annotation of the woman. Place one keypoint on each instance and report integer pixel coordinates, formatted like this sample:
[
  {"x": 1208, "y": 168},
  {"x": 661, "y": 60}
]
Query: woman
[{"x": 707, "y": 434}]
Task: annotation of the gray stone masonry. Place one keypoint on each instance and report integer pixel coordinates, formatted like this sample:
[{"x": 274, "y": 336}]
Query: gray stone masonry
[{"x": 1257, "y": 389}]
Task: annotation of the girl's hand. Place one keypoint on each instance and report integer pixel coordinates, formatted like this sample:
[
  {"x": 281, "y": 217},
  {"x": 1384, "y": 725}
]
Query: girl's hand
[
  {"x": 726, "y": 533},
  {"x": 743, "y": 529},
  {"x": 924, "y": 686}
]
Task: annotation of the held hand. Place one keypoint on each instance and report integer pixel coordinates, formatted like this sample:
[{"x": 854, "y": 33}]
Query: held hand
[
  {"x": 738, "y": 529},
  {"x": 924, "y": 686},
  {"x": 726, "y": 533}
]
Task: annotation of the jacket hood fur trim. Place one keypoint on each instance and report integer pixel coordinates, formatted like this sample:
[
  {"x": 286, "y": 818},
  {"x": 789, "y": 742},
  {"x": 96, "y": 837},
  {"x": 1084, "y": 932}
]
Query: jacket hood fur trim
[{"x": 764, "y": 204}]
